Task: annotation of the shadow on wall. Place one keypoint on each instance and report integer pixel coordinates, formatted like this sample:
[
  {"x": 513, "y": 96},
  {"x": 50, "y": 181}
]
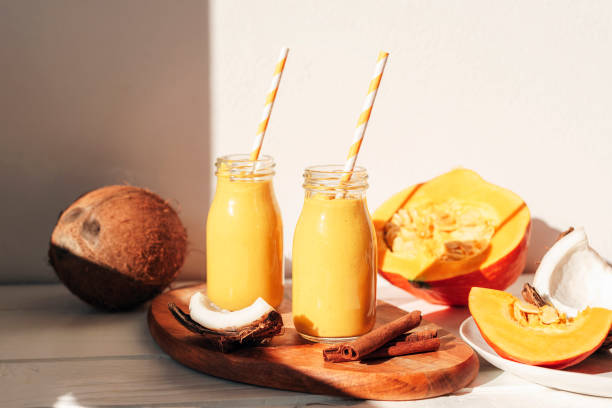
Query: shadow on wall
[
  {"x": 543, "y": 236},
  {"x": 100, "y": 93}
]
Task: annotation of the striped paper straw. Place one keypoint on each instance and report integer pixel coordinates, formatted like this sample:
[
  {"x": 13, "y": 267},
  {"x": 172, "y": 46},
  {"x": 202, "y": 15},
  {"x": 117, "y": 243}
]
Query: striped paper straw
[
  {"x": 364, "y": 117},
  {"x": 270, "y": 97}
]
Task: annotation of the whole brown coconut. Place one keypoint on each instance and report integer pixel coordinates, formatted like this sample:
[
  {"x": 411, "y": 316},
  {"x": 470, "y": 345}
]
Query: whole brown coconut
[{"x": 118, "y": 246}]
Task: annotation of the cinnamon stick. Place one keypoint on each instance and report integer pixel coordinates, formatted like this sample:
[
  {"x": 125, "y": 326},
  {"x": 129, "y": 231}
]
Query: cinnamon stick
[
  {"x": 409, "y": 343},
  {"x": 405, "y": 347},
  {"x": 414, "y": 336},
  {"x": 367, "y": 343}
]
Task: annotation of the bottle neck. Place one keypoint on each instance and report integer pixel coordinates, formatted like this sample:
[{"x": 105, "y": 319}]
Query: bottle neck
[
  {"x": 332, "y": 182},
  {"x": 239, "y": 167}
]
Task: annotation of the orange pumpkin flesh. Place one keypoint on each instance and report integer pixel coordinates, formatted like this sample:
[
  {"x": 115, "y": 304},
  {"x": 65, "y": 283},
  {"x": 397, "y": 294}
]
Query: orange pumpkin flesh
[
  {"x": 449, "y": 282},
  {"x": 553, "y": 346}
]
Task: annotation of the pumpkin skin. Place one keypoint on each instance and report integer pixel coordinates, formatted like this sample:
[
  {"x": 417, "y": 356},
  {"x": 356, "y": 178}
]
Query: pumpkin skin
[
  {"x": 449, "y": 283},
  {"x": 552, "y": 347}
]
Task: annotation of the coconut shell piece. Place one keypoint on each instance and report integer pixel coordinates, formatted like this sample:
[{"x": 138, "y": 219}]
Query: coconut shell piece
[
  {"x": 256, "y": 332},
  {"x": 118, "y": 246}
]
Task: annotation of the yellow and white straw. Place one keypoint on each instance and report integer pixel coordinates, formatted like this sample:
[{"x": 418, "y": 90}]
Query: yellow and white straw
[
  {"x": 364, "y": 117},
  {"x": 270, "y": 97}
]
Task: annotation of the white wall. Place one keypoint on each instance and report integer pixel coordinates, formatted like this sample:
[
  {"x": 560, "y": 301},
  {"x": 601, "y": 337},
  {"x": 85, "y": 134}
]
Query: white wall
[
  {"x": 101, "y": 92},
  {"x": 519, "y": 91}
]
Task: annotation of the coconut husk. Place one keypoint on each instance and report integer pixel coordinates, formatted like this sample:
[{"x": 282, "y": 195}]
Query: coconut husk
[
  {"x": 225, "y": 341},
  {"x": 118, "y": 246}
]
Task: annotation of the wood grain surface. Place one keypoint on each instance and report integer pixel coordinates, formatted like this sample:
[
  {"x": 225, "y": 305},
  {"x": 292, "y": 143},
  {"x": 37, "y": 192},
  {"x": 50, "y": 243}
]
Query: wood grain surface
[{"x": 291, "y": 363}]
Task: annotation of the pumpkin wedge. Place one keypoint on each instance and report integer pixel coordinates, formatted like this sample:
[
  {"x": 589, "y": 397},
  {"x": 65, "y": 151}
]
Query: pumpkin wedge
[
  {"x": 516, "y": 332},
  {"x": 438, "y": 239}
]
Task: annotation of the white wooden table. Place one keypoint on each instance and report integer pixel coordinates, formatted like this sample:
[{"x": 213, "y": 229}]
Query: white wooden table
[{"x": 57, "y": 351}]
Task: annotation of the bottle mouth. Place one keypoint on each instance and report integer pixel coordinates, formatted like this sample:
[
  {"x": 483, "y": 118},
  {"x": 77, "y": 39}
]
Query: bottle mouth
[
  {"x": 241, "y": 167},
  {"x": 332, "y": 179}
]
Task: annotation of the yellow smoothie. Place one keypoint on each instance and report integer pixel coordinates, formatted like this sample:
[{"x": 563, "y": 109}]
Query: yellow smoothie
[
  {"x": 334, "y": 268},
  {"x": 244, "y": 243}
]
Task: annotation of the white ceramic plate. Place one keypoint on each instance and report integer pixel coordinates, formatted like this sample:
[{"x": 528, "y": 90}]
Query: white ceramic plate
[{"x": 593, "y": 376}]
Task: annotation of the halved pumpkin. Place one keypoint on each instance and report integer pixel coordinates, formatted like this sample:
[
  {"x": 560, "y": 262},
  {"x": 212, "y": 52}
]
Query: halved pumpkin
[
  {"x": 556, "y": 345},
  {"x": 420, "y": 251}
]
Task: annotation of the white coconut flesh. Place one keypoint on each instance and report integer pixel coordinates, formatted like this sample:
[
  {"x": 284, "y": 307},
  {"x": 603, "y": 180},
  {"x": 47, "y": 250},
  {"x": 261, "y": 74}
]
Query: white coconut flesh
[
  {"x": 209, "y": 315},
  {"x": 573, "y": 276}
]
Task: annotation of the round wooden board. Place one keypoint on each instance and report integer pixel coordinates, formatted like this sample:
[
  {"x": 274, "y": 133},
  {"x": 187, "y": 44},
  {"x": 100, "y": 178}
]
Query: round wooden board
[{"x": 288, "y": 362}]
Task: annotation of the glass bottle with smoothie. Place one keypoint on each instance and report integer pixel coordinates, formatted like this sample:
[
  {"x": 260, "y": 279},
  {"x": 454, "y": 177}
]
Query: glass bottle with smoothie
[
  {"x": 334, "y": 257},
  {"x": 244, "y": 235}
]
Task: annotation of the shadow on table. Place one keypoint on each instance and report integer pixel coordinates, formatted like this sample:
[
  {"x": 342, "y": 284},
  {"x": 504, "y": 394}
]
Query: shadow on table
[
  {"x": 543, "y": 236},
  {"x": 598, "y": 363},
  {"x": 450, "y": 319}
]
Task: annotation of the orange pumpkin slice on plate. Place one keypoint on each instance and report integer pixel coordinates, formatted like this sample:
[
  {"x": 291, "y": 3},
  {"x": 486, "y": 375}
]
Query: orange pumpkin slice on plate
[
  {"x": 438, "y": 239},
  {"x": 537, "y": 336}
]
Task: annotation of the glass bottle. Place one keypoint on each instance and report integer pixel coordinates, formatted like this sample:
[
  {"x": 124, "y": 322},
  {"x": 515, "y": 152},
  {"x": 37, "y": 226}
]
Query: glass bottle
[
  {"x": 244, "y": 235},
  {"x": 334, "y": 257}
]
